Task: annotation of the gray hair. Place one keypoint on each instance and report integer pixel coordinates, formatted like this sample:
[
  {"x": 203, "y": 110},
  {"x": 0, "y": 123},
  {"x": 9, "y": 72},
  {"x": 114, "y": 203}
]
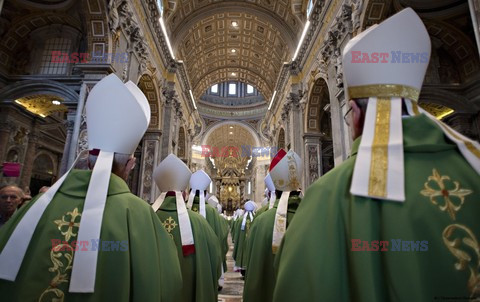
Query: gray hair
[
  {"x": 363, "y": 103},
  {"x": 119, "y": 160},
  {"x": 4, "y": 186}
]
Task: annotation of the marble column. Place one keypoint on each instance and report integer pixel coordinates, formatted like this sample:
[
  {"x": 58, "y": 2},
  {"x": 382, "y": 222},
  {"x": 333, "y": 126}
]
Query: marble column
[
  {"x": 69, "y": 124},
  {"x": 150, "y": 159},
  {"x": 296, "y": 123},
  {"x": 313, "y": 158},
  {"x": 168, "y": 120},
  {"x": 5, "y": 130},
  {"x": 29, "y": 158},
  {"x": 259, "y": 184},
  {"x": 474, "y": 6},
  {"x": 72, "y": 152}
]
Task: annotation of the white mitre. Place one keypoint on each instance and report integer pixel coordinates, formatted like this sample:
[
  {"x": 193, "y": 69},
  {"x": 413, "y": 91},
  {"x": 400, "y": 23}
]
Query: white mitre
[
  {"x": 249, "y": 207},
  {"x": 405, "y": 44},
  {"x": 199, "y": 181},
  {"x": 109, "y": 104},
  {"x": 173, "y": 175},
  {"x": 271, "y": 188},
  {"x": 286, "y": 172}
]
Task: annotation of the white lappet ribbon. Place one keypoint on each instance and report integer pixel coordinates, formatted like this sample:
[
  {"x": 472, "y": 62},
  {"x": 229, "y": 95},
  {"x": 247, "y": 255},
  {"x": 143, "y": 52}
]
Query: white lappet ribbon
[
  {"x": 379, "y": 170},
  {"x": 84, "y": 267},
  {"x": 244, "y": 221},
  {"x": 280, "y": 225},
  {"x": 84, "y": 262},
  {"x": 201, "y": 206},
  {"x": 186, "y": 234},
  {"x": 273, "y": 198},
  {"x": 14, "y": 251}
]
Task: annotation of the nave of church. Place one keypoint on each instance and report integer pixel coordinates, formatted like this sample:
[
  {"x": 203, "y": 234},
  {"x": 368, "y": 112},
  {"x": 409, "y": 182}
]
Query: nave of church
[{"x": 242, "y": 101}]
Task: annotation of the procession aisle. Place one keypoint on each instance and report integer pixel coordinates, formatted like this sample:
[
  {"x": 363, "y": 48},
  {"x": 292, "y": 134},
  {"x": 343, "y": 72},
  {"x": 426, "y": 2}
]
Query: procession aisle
[{"x": 233, "y": 287}]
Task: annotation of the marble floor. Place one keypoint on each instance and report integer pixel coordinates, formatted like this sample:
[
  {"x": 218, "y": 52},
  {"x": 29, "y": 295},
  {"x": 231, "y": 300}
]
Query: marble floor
[{"x": 233, "y": 287}]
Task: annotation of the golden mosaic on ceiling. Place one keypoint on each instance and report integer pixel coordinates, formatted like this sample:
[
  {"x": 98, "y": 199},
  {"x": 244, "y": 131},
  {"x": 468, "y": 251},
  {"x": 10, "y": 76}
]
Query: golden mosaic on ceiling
[
  {"x": 437, "y": 110},
  {"x": 42, "y": 105}
]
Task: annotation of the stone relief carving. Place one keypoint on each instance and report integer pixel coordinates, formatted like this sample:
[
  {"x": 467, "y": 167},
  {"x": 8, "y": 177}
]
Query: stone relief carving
[
  {"x": 169, "y": 93},
  {"x": 357, "y": 7},
  {"x": 313, "y": 162},
  {"x": 114, "y": 20},
  {"x": 340, "y": 28},
  {"x": 148, "y": 169},
  {"x": 338, "y": 68},
  {"x": 136, "y": 40}
]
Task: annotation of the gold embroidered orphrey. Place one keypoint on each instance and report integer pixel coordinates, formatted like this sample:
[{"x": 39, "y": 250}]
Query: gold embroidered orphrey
[
  {"x": 464, "y": 259},
  {"x": 377, "y": 185},
  {"x": 61, "y": 256},
  {"x": 70, "y": 224},
  {"x": 453, "y": 244},
  {"x": 169, "y": 224},
  {"x": 450, "y": 207}
]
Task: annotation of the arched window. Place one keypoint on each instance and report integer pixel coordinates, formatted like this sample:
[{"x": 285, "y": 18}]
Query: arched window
[{"x": 53, "y": 61}]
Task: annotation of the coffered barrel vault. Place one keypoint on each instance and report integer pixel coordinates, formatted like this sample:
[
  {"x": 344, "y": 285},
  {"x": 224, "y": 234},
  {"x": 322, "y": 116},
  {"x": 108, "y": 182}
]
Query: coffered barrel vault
[{"x": 233, "y": 41}]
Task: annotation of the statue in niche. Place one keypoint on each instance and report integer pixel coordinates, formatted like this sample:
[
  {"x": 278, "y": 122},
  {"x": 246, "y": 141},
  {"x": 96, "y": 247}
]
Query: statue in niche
[
  {"x": 20, "y": 137},
  {"x": 114, "y": 21},
  {"x": 338, "y": 68},
  {"x": 357, "y": 6}
]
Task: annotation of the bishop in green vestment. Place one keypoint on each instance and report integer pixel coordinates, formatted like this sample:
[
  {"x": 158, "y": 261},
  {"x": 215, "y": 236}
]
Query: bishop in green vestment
[
  {"x": 260, "y": 277},
  {"x": 215, "y": 222},
  {"x": 200, "y": 270},
  {"x": 267, "y": 231},
  {"x": 398, "y": 220},
  {"x": 137, "y": 260},
  {"x": 342, "y": 247},
  {"x": 88, "y": 238},
  {"x": 241, "y": 235}
]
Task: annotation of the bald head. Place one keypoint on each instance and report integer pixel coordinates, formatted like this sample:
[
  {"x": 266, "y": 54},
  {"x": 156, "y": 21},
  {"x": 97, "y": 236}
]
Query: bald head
[{"x": 10, "y": 197}]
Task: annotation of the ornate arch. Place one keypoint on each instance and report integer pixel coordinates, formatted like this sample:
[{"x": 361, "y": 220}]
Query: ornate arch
[
  {"x": 147, "y": 85},
  {"x": 211, "y": 128},
  {"x": 318, "y": 108}
]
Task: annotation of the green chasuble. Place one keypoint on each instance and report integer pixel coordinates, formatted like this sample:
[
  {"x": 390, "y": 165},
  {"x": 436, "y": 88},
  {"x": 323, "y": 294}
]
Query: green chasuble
[
  {"x": 239, "y": 244},
  {"x": 215, "y": 221},
  {"x": 234, "y": 228},
  {"x": 201, "y": 270},
  {"x": 346, "y": 248},
  {"x": 260, "y": 278},
  {"x": 137, "y": 260},
  {"x": 261, "y": 210}
]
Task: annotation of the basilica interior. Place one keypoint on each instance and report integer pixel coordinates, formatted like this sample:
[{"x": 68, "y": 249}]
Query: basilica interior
[{"x": 228, "y": 82}]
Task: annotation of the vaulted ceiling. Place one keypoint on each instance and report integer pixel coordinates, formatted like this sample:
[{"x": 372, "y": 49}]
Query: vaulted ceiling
[
  {"x": 244, "y": 41},
  {"x": 230, "y": 135}
]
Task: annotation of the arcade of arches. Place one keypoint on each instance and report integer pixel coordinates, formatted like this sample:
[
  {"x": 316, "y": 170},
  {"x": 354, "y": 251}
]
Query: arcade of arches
[{"x": 225, "y": 82}]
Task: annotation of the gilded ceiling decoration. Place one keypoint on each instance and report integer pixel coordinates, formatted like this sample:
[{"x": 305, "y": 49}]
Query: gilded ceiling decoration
[
  {"x": 437, "y": 110},
  {"x": 42, "y": 105},
  {"x": 246, "y": 41}
]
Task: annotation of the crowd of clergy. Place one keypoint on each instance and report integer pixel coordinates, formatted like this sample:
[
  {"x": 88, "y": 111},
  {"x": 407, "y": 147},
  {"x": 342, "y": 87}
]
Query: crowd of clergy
[{"x": 409, "y": 177}]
